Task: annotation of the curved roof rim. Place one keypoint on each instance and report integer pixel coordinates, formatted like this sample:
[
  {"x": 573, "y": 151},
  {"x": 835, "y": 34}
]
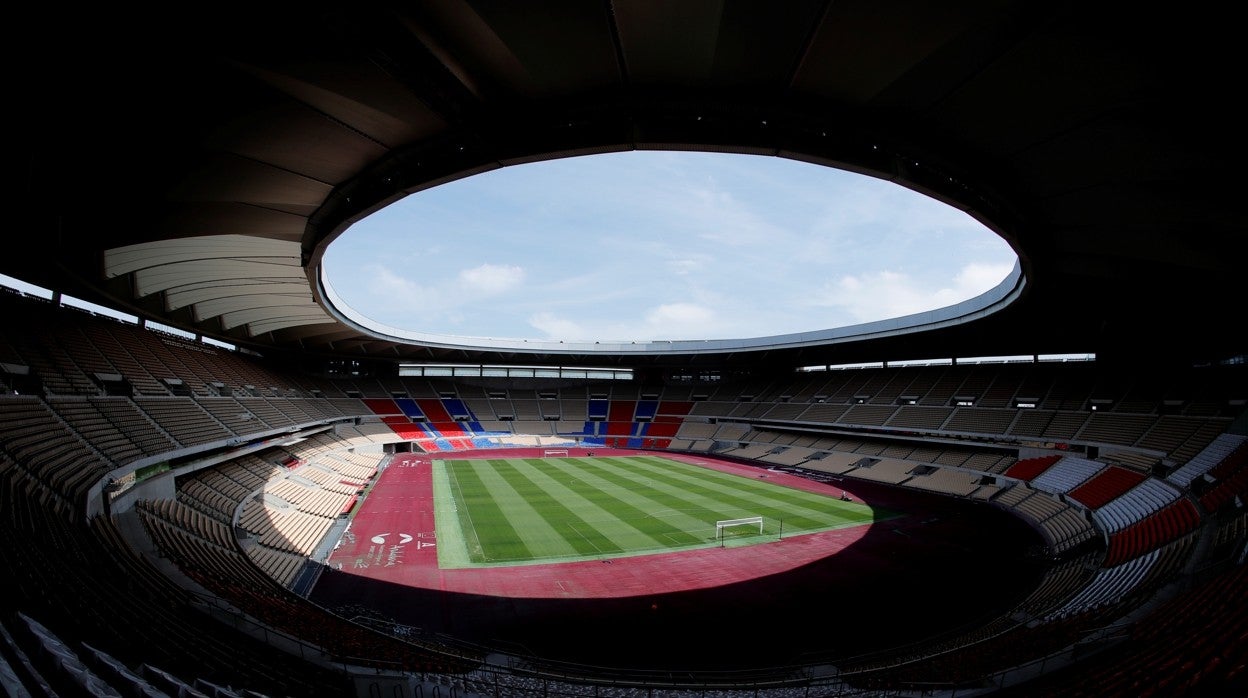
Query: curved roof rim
[{"x": 984, "y": 304}]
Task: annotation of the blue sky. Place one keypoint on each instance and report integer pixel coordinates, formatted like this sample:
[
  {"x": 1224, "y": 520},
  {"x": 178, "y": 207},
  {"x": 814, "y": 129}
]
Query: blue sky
[{"x": 655, "y": 245}]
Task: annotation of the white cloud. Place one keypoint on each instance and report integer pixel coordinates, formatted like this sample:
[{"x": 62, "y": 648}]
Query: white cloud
[
  {"x": 679, "y": 321},
  {"x": 387, "y": 287},
  {"x": 883, "y": 294},
  {"x": 719, "y": 217},
  {"x": 387, "y": 284},
  {"x": 977, "y": 278},
  {"x": 554, "y": 327},
  {"x": 491, "y": 279},
  {"x": 383, "y": 295},
  {"x": 888, "y": 294},
  {"x": 672, "y": 321},
  {"x": 683, "y": 267}
]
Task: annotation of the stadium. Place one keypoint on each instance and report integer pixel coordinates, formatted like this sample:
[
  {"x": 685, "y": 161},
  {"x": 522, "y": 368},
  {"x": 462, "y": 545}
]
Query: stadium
[{"x": 230, "y": 485}]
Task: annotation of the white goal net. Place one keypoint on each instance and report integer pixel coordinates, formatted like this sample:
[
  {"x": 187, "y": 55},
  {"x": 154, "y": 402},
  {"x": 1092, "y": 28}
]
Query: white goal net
[
  {"x": 554, "y": 452},
  {"x": 750, "y": 521}
]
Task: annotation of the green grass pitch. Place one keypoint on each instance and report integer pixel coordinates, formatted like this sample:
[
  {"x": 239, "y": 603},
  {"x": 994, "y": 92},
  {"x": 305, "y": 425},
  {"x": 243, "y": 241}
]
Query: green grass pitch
[{"x": 510, "y": 511}]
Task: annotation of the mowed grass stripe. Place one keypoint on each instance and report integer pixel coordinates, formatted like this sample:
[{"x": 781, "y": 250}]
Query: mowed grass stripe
[
  {"x": 817, "y": 505},
  {"x": 697, "y": 513},
  {"x": 595, "y": 509},
  {"x": 560, "y": 507},
  {"x": 478, "y": 511},
  {"x": 661, "y": 508},
  {"x": 588, "y": 536},
  {"x": 533, "y": 510},
  {"x": 447, "y": 520},
  {"x": 717, "y": 503},
  {"x": 472, "y": 541},
  {"x": 665, "y": 518},
  {"x": 747, "y": 498},
  {"x": 799, "y": 510},
  {"x": 523, "y": 511}
]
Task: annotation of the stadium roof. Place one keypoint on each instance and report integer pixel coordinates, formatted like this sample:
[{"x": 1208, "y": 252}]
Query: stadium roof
[{"x": 191, "y": 164}]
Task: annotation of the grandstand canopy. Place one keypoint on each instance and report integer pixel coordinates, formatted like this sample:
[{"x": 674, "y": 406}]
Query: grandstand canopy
[{"x": 191, "y": 165}]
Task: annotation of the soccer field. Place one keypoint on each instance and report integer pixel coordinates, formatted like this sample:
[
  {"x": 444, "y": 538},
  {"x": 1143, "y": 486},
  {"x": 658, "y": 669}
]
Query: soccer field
[{"x": 509, "y": 511}]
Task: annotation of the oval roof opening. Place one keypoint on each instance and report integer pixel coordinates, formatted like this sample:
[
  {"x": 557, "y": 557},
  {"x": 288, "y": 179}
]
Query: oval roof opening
[{"x": 657, "y": 246}]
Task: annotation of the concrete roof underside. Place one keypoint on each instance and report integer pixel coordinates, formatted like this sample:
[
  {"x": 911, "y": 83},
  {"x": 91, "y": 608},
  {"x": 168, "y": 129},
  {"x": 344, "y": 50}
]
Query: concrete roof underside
[{"x": 191, "y": 168}]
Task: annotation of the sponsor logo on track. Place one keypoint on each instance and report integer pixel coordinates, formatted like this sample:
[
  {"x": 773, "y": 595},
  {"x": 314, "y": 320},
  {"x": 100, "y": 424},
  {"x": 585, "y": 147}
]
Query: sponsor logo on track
[{"x": 390, "y": 554}]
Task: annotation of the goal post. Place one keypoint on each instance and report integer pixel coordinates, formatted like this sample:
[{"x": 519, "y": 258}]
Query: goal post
[
  {"x": 730, "y": 523},
  {"x": 554, "y": 453}
]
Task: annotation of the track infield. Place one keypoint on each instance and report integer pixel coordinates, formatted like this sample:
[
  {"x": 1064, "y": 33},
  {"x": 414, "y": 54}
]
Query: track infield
[{"x": 629, "y": 523}]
